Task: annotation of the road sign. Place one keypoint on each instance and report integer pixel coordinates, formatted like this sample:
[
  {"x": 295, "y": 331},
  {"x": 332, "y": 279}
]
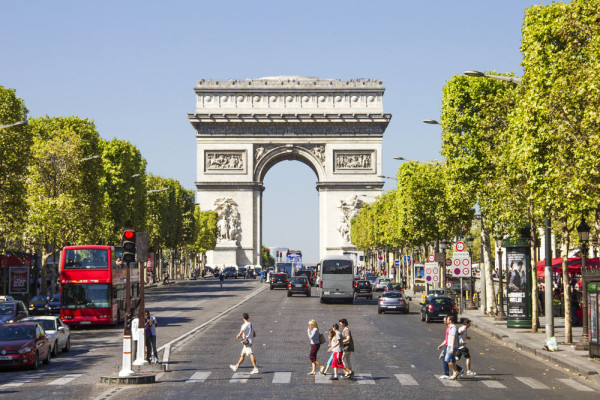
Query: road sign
[
  {"x": 461, "y": 265},
  {"x": 431, "y": 258},
  {"x": 448, "y": 262},
  {"x": 432, "y": 271},
  {"x": 406, "y": 260},
  {"x": 380, "y": 258},
  {"x": 449, "y": 285},
  {"x": 460, "y": 246},
  {"x": 396, "y": 263}
]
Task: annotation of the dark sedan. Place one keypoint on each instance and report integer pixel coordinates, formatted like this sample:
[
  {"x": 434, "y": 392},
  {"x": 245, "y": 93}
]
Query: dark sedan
[
  {"x": 392, "y": 301},
  {"x": 279, "y": 280},
  {"x": 437, "y": 308},
  {"x": 299, "y": 285},
  {"x": 309, "y": 275},
  {"x": 54, "y": 305},
  {"x": 363, "y": 288},
  {"x": 37, "y": 305},
  {"x": 23, "y": 344},
  {"x": 230, "y": 272},
  {"x": 395, "y": 287},
  {"x": 12, "y": 311}
]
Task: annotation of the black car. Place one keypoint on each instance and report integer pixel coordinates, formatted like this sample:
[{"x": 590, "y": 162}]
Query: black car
[
  {"x": 12, "y": 311},
  {"x": 54, "y": 305},
  {"x": 309, "y": 275},
  {"x": 230, "y": 272},
  {"x": 396, "y": 287},
  {"x": 299, "y": 285},
  {"x": 437, "y": 308},
  {"x": 279, "y": 280},
  {"x": 363, "y": 288},
  {"x": 241, "y": 272},
  {"x": 37, "y": 305}
]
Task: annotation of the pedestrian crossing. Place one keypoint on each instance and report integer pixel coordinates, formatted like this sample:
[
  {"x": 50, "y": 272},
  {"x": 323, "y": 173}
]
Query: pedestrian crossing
[{"x": 289, "y": 377}]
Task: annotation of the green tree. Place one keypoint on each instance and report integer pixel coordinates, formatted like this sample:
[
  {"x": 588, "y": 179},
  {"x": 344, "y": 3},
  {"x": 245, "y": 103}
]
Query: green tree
[{"x": 206, "y": 233}]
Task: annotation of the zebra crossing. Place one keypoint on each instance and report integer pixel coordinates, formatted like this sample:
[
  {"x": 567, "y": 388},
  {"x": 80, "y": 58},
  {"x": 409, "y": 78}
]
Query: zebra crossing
[{"x": 287, "y": 377}]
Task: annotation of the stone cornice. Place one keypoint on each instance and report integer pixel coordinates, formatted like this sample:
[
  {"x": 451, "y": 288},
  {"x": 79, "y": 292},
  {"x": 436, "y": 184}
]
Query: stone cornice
[
  {"x": 288, "y": 84},
  {"x": 289, "y": 118},
  {"x": 217, "y": 186},
  {"x": 354, "y": 185}
]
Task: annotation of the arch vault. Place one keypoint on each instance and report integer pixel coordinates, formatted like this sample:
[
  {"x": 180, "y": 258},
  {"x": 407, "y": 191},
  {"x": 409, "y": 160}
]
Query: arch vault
[{"x": 243, "y": 128}]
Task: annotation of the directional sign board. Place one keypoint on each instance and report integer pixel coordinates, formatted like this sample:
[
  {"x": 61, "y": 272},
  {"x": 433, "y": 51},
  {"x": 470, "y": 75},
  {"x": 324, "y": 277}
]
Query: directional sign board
[
  {"x": 461, "y": 264},
  {"x": 432, "y": 272},
  {"x": 396, "y": 263}
]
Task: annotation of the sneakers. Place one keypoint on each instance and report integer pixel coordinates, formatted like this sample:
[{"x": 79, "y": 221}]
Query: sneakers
[
  {"x": 254, "y": 371},
  {"x": 333, "y": 378},
  {"x": 233, "y": 368},
  {"x": 444, "y": 377},
  {"x": 471, "y": 373},
  {"x": 454, "y": 376}
]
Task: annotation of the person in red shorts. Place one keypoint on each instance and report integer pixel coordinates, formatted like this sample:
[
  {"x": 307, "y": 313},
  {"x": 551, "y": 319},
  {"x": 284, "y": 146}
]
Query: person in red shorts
[{"x": 336, "y": 348}]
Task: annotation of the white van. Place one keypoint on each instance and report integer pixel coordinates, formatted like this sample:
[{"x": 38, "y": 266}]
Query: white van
[{"x": 337, "y": 278}]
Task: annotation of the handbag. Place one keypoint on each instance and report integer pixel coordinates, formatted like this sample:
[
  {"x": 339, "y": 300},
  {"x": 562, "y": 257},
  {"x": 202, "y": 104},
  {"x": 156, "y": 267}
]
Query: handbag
[
  {"x": 246, "y": 341},
  {"x": 321, "y": 338}
]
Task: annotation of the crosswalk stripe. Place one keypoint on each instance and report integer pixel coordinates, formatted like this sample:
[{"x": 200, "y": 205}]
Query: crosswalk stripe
[
  {"x": 364, "y": 379},
  {"x": 448, "y": 382},
  {"x": 282, "y": 377},
  {"x": 532, "y": 383},
  {"x": 489, "y": 382},
  {"x": 199, "y": 377},
  {"x": 576, "y": 385},
  {"x": 20, "y": 381},
  {"x": 65, "y": 379},
  {"x": 320, "y": 378},
  {"x": 240, "y": 377},
  {"x": 406, "y": 380}
]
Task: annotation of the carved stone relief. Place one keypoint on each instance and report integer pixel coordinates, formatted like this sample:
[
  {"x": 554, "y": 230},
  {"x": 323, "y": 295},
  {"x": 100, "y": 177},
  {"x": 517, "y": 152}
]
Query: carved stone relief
[
  {"x": 349, "y": 208},
  {"x": 224, "y": 160},
  {"x": 318, "y": 150},
  {"x": 228, "y": 220},
  {"x": 353, "y": 160}
]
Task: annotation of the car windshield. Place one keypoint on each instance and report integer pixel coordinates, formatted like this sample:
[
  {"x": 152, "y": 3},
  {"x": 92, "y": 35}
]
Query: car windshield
[
  {"x": 47, "y": 324},
  {"x": 8, "y": 332},
  {"x": 37, "y": 298},
  {"x": 7, "y": 309},
  {"x": 393, "y": 295},
  {"x": 362, "y": 283},
  {"x": 441, "y": 301},
  {"x": 298, "y": 279}
]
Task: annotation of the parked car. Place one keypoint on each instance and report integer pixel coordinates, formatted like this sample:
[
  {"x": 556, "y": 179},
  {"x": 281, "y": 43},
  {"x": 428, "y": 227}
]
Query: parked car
[
  {"x": 241, "y": 272},
  {"x": 23, "y": 344},
  {"x": 310, "y": 275},
  {"x": 230, "y": 272},
  {"x": 395, "y": 287},
  {"x": 12, "y": 311},
  {"x": 37, "y": 305},
  {"x": 279, "y": 280},
  {"x": 6, "y": 298},
  {"x": 392, "y": 301},
  {"x": 381, "y": 283},
  {"x": 58, "y": 332},
  {"x": 437, "y": 308},
  {"x": 299, "y": 285},
  {"x": 54, "y": 305},
  {"x": 363, "y": 288}
]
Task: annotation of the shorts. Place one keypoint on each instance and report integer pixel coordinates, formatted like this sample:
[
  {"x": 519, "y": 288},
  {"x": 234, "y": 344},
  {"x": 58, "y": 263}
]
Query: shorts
[
  {"x": 462, "y": 352},
  {"x": 449, "y": 358},
  {"x": 330, "y": 359},
  {"x": 247, "y": 350},
  {"x": 337, "y": 360},
  {"x": 314, "y": 349}
]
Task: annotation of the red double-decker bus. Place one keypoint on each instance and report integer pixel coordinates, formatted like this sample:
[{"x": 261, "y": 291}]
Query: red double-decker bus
[{"x": 93, "y": 285}]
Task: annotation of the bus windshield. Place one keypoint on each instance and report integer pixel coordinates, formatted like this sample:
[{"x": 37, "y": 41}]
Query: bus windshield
[
  {"x": 95, "y": 295},
  {"x": 86, "y": 259},
  {"x": 337, "y": 267}
]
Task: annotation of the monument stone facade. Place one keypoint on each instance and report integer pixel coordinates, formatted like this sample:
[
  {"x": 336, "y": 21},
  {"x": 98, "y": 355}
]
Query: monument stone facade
[{"x": 245, "y": 127}]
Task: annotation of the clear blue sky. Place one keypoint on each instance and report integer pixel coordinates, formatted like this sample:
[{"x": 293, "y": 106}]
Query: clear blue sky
[{"x": 131, "y": 66}]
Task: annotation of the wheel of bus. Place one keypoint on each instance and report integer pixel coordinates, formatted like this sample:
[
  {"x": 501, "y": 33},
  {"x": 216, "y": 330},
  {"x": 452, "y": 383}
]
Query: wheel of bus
[
  {"x": 67, "y": 346},
  {"x": 47, "y": 360}
]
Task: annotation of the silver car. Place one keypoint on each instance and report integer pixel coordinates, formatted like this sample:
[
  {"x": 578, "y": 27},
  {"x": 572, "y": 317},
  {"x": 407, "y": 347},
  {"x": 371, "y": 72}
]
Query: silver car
[
  {"x": 381, "y": 284},
  {"x": 58, "y": 332},
  {"x": 392, "y": 301}
]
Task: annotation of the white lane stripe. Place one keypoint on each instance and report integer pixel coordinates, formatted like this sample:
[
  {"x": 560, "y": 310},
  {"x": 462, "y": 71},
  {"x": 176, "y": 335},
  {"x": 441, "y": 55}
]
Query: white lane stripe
[
  {"x": 199, "y": 377},
  {"x": 240, "y": 377},
  {"x": 364, "y": 379},
  {"x": 20, "y": 381},
  {"x": 65, "y": 379},
  {"x": 532, "y": 383},
  {"x": 448, "y": 382},
  {"x": 575, "y": 385},
  {"x": 282, "y": 377},
  {"x": 320, "y": 378},
  {"x": 406, "y": 380},
  {"x": 492, "y": 384}
]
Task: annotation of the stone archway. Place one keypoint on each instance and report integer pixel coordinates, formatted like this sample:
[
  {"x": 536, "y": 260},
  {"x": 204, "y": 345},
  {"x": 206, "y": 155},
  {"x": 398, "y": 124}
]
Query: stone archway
[{"x": 243, "y": 128}]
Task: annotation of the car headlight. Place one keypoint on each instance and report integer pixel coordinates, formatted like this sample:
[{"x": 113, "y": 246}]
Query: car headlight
[{"x": 25, "y": 350}]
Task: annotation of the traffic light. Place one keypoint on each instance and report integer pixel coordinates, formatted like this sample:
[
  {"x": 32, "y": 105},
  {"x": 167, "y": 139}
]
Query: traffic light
[{"x": 128, "y": 245}]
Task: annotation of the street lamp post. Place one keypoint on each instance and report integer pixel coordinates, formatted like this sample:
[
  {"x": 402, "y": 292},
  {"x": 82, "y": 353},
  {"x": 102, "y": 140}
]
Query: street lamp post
[
  {"x": 470, "y": 304},
  {"x": 583, "y": 230},
  {"x": 501, "y": 315},
  {"x": 417, "y": 161}
]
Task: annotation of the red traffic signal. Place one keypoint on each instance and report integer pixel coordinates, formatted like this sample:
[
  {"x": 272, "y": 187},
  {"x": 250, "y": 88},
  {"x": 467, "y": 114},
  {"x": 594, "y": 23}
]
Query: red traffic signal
[
  {"x": 128, "y": 241},
  {"x": 129, "y": 234}
]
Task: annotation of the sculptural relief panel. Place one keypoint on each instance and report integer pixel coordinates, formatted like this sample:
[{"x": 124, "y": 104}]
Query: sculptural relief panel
[
  {"x": 358, "y": 161},
  {"x": 216, "y": 161}
]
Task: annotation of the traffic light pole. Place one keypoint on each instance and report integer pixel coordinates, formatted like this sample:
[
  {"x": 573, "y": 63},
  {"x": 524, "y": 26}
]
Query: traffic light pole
[
  {"x": 140, "y": 360},
  {"x": 126, "y": 368}
]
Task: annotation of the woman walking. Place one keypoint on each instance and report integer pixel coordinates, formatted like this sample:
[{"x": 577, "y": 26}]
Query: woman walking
[
  {"x": 324, "y": 370},
  {"x": 315, "y": 345},
  {"x": 336, "y": 349}
]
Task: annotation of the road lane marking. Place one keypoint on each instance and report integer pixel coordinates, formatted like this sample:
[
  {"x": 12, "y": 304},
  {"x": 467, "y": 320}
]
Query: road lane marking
[
  {"x": 282, "y": 377},
  {"x": 448, "y": 382},
  {"x": 575, "y": 385},
  {"x": 406, "y": 380},
  {"x": 240, "y": 377},
  {"x": 199, "y": 377},
  {"x": 320, "y": 378},
  {"x": 490, "y": 382},
  {"x": 532, "y": 383},
  {"x": 364, "y": 379},
  {"x": 21, "y": 381},
  {"x": 65, "y": 379}
]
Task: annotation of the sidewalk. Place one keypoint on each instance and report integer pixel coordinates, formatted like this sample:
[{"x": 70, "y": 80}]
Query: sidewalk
[{"x": 566, "y": 357}]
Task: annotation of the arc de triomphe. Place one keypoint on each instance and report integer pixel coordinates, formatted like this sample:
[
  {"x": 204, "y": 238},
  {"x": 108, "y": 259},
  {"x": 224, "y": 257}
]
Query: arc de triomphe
[{"x": 243, "y": 128}]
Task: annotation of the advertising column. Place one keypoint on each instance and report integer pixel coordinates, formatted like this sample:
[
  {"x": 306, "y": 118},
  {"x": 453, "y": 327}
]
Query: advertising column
[{"x": 518, "y": 276}]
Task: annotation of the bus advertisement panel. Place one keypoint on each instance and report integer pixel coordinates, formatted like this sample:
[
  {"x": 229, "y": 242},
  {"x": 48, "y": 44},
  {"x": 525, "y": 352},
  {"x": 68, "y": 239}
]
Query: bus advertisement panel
[{"x": 93, "y": 285}]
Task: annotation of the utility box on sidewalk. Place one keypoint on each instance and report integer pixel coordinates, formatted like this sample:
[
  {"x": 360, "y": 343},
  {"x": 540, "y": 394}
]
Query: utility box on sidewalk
[
  {"x": 592, "y": 280},
  {"x": 518, "y": 281}
]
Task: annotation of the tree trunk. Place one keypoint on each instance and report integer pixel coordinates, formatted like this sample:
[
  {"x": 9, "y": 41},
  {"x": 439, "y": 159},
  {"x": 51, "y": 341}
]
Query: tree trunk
[
  {"x": 564, "y": 253},
  {"x": 535, "y": 321},
  {"x": 490, "y": 291}
]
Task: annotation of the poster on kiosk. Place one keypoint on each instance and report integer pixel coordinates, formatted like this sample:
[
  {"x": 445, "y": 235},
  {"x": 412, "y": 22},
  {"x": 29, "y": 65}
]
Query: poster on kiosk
[{"x": 518, "y": 284}]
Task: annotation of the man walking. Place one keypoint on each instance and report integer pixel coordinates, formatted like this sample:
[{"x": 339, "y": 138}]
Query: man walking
[
  {"x": 150, "y": 337},
  {"x": 221, "y": 277},
  {"x": 348, "y": 343},
  {"x": 452, "y": 346},
  {"x": 247, "y": 335},
  {"x": 444, "y": 347}
]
